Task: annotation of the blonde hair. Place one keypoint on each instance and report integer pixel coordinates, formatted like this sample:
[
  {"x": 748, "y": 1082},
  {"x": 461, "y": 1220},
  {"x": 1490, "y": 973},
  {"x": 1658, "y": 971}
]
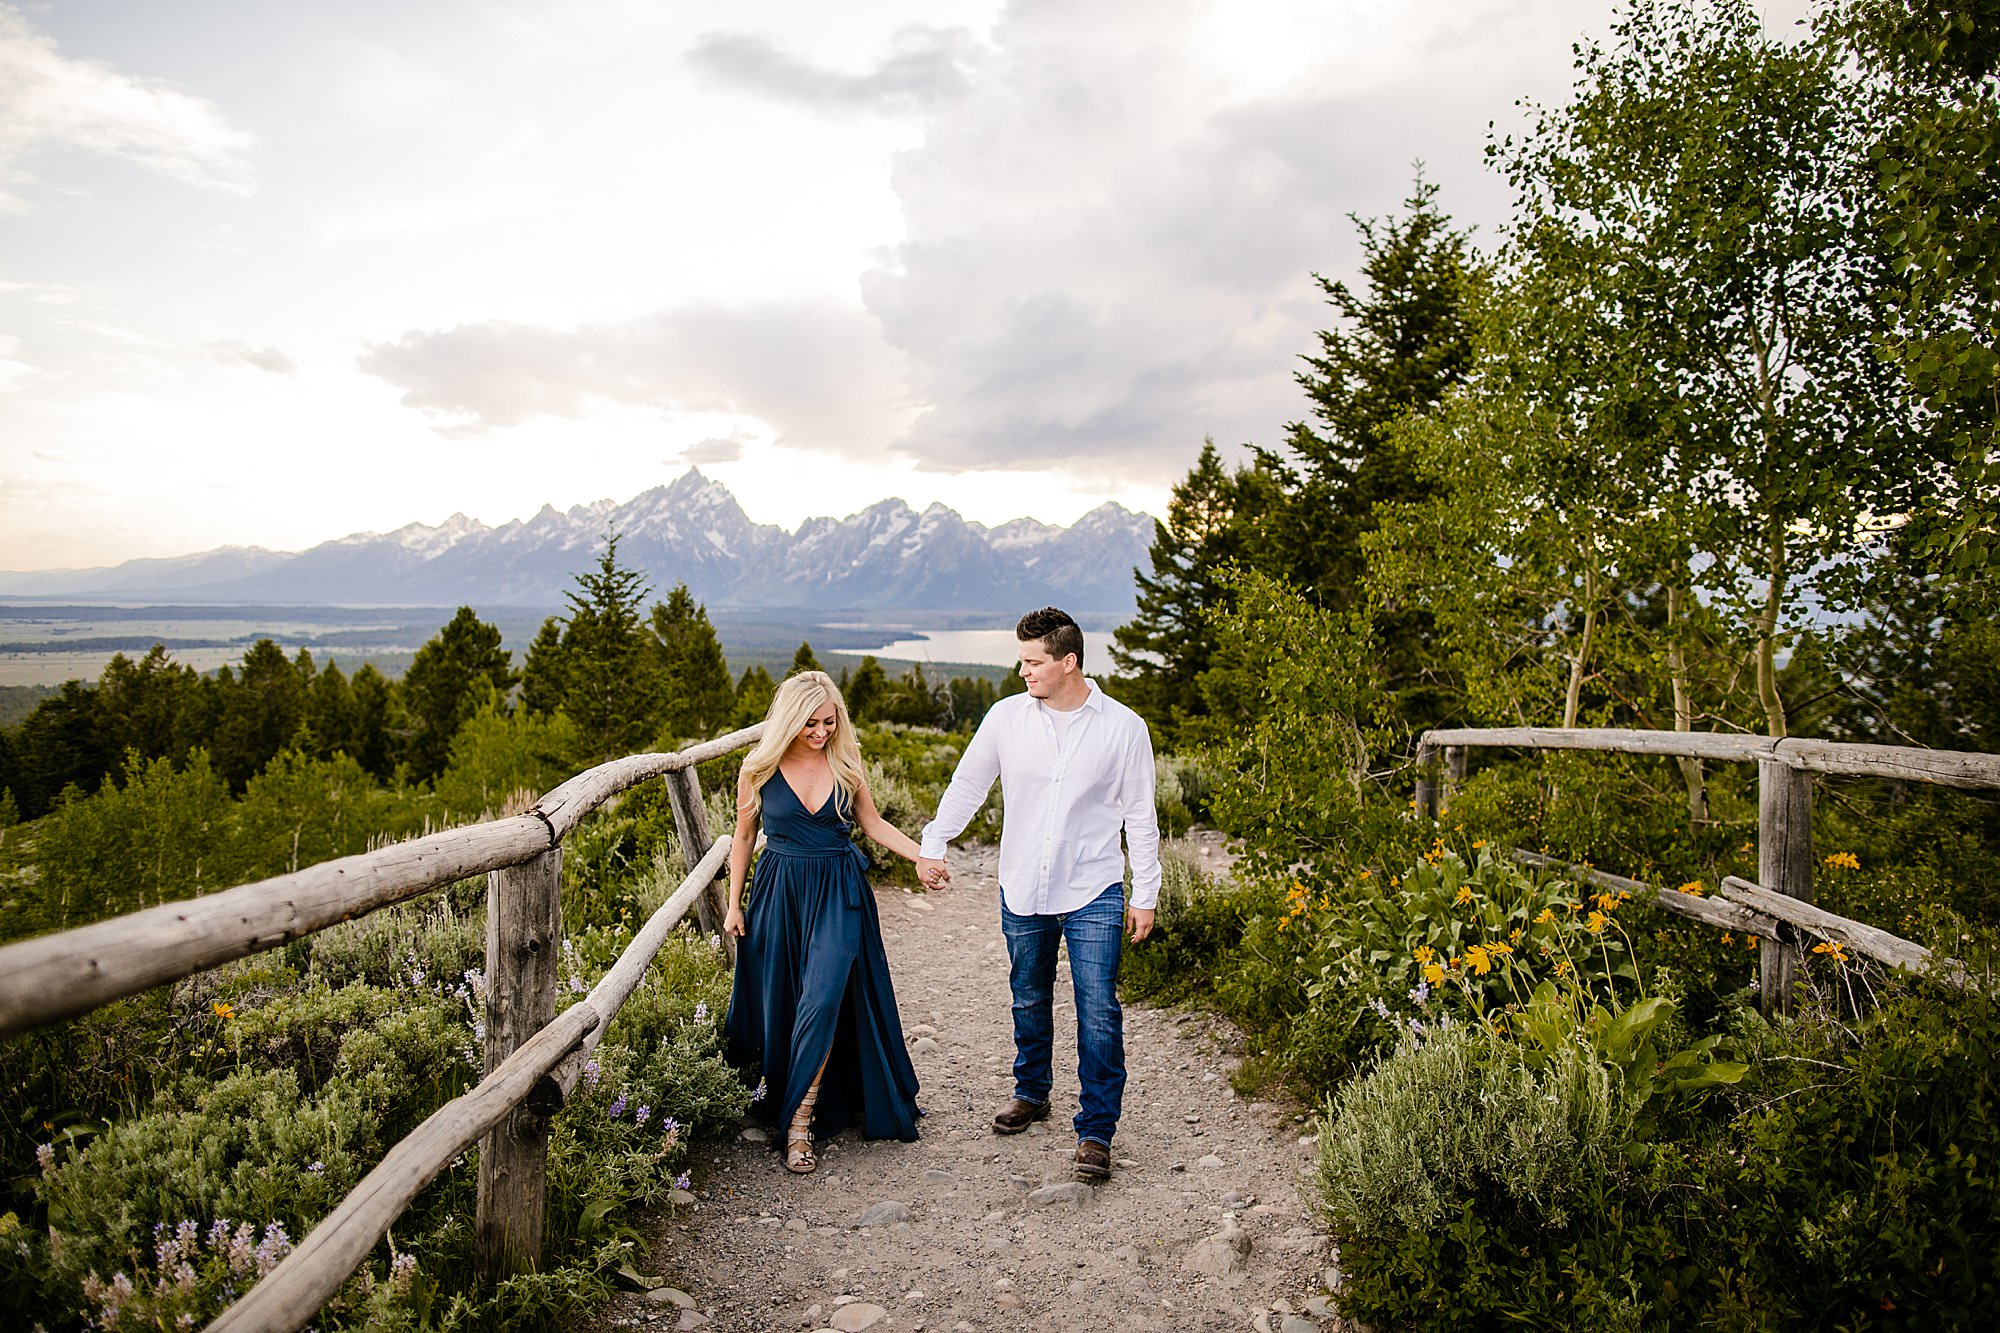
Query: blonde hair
[{"x": 796, "y": 700}]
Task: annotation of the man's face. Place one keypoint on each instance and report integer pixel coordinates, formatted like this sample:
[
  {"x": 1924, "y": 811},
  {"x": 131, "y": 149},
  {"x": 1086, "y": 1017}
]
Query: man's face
[{"x": 1044, "y": 674}]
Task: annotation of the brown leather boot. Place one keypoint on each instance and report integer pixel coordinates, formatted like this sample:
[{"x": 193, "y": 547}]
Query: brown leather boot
[{"x": 1017, "y": 1115}]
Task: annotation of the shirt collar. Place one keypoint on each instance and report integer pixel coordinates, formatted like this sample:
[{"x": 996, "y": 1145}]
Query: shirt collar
[{"x": 1091, "y": 701}]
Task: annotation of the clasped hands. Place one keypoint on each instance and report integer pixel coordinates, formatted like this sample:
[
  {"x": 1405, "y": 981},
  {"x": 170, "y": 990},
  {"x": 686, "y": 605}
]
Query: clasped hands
[{"x": 932, "y": 872}]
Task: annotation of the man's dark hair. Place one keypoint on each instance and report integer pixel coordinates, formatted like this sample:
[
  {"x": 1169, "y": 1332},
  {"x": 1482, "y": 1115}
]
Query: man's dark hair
[{"x": 1056, "y": 630}]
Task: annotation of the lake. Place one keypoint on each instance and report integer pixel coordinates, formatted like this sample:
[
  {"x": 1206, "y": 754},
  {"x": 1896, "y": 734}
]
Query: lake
[{"x": 987, "y": 647}]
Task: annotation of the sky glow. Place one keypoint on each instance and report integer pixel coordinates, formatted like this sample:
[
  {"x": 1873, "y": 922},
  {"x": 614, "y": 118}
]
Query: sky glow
[{"x": 270, "y": 275}]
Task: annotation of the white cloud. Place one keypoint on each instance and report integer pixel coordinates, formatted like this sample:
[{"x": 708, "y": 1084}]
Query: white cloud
[
  {"x": 268, "y": 359},
  {"x": 815, "y": 373},
  {"x": 925, "y": 67},
  {"x": 48, "y": 102}
]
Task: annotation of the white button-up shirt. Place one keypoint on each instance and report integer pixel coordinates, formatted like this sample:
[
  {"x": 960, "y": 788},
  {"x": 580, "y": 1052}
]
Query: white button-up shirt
[{"x": 1068, "y": 792}]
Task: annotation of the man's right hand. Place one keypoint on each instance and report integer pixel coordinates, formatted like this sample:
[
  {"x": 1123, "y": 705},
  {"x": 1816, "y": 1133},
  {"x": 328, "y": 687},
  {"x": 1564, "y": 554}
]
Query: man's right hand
[{"x": 932, "y": 872}]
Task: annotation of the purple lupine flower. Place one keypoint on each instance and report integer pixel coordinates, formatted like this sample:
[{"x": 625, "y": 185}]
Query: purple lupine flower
[
  {"x": 681, "y": 1180},
  {"x": 591, "y": 1072},
  {"x": 317, "y": 1168},
  {"x": 274, "y": 1247},
  {"x": 1379, "y": 1007},
  {"x": 242, "y": 1249},
  {"x": 669, "y": 1125},
  {"x": 45, "y": 1156},
  {"x": 1416, "y": 1027},
  {"x": 575, "y": 984},
  {"x": 701, "y": 1011},
  {"x": 618, "y": 1106},
  {"x": 1420, "y": 992},
  {"x": 218, "y": 1234},
  {"x": 642, "y": 1115},
  {"x": 402, "y": 1269},
  {"x": 761, "y": 1091}
]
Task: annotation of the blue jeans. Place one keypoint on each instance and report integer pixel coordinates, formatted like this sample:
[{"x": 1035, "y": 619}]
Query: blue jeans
[{"x": 1095, "y": 935}]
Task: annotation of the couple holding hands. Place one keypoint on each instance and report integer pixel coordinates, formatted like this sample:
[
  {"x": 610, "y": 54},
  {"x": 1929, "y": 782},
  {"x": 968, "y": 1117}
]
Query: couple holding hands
[{"x": 813, "y": 1009}]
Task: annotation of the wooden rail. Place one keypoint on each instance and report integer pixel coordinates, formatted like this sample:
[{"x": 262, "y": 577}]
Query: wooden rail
[
  {"x": 533, "y": 1055},
  {"x": 292, "y": 1292},
  {"x": 1785, "y": 766}
]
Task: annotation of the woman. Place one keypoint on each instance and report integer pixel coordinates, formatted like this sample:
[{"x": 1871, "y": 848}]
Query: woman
[{"x": 813, "y": 1009}]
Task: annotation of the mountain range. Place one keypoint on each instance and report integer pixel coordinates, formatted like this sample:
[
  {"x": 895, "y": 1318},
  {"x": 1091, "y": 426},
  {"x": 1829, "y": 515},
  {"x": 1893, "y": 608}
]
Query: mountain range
[{"x": 887, "y": 557}]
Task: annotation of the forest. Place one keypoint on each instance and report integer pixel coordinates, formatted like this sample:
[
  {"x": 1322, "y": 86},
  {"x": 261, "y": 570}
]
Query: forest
[{"x": 1702, "y": 440}]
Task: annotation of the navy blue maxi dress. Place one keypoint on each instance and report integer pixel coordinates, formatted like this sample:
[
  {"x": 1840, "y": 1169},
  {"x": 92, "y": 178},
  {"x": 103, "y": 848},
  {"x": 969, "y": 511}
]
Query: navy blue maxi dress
[{"x": 812, "y": 980}]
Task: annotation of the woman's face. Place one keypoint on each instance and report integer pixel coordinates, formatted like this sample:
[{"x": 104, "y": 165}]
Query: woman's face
[{"x": 818, "y": 730}]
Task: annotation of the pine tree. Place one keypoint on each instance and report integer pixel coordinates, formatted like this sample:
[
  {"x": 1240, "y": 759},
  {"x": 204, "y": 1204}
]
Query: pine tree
[
  {"x": 543, "y": 677},
  {"x": 1396, "y": 349},
  {"x": 611, "y": 682},
  {"x": 803, "y": 660},
  {"x": 753, "y": 695},
  {"x": 446, "y": 679},
  {"x": 867, "y": 691},
  {"x": 697, "y": 698}
]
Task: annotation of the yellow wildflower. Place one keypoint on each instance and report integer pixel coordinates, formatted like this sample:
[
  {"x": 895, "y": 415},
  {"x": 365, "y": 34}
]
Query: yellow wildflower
[
  {"x": 1728, "y": 938},
  {"x": 1433, "y": 973},
  {"x": 1463, "y": 896},
  {"x": 1499, "y": 950},
  {"x": 1694, "y": 887},
  {"x": 1832, "y": 949},
  {"x": 1548, "y": 915},
  {"x": 1515, "y": 935},
  {"x": 1425, "y": 953},
  {"x": 1562, "y": 968},
  {"x": 1477, "y": 843},
  {"x": 1844, "y": 861},
  {"x": 1596, "y": 922},
  {"x": 1476, "y": 958},
  {"x": 1749, "y": 941},
  {"x": 224, "y": 1010}
]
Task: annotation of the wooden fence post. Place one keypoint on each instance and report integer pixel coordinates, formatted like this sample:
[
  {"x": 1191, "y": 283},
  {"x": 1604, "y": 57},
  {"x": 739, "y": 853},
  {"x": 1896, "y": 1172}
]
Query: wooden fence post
[
  {"x": 523, "y": 951},
  {"x": 691, "y": 824},
  {"x": 1454, "y": 771},
  {"x": 1784, "y": 865},
  {"x": 1427, "y": 781}
]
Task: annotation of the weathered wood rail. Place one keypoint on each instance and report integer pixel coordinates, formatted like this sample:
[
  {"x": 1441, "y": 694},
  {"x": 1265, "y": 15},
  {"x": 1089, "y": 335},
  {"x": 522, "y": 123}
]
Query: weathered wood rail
[
  {"x": 533, "y": 1055},
  {"x": 1779, "y": 906}
]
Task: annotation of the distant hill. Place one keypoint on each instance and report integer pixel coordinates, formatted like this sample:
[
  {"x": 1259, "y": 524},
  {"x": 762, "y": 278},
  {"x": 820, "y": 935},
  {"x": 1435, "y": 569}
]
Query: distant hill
[{"x": 887, "y": 557}]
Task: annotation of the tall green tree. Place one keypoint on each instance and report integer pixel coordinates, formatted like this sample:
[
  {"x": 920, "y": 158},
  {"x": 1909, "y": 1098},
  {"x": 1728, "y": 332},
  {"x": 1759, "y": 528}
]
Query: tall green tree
[
  {"x": 867, "y": 691},
  {"x": 148, "y": 705},
  {"x": 446, "y": 680},
  {"x": 58, "y": 745},
  {"x": 1696, "y": 202},
  {"x": 1936, "y": 156},
  {"x": 261, "y": 707},
  {"x": 1214, "y": 516},
  {"x": 609, "y": 680},
  {"x": 1396, "y": 347},
  {"x": 697, "y": 698},
  {"x": 544, "y": 678},
  {"x": 803, "y": 660},
  {"x": 754, "y": 691}
]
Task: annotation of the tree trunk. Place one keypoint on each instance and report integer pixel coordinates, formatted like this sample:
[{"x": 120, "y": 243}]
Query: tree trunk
[
  {"x": 1691, "y": 771},
  {"x": 1767, "y": 635}
]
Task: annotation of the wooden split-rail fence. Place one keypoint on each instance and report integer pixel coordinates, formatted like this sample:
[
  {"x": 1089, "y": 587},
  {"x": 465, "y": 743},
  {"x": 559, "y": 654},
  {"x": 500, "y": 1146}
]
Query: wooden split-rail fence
[
  {"x": 1778, "y": 907},
  {"x": 534, "y": 1056}
]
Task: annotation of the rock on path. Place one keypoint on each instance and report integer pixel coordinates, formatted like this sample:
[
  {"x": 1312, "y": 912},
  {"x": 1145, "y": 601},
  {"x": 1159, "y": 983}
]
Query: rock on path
[{"x": 1201, "y": 1225}]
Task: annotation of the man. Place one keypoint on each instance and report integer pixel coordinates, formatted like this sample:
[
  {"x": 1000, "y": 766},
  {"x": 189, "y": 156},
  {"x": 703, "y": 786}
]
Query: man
[{"x": 1075, "y": 768}]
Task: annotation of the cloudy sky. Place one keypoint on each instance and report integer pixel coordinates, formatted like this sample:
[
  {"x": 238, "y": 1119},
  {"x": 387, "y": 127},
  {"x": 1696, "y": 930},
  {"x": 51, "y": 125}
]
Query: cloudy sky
[{"x": 272, "y": 274}]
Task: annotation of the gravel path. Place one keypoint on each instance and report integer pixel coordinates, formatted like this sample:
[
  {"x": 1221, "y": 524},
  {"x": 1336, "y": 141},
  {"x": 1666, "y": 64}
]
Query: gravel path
[{"x": 1200, "y": 1227}]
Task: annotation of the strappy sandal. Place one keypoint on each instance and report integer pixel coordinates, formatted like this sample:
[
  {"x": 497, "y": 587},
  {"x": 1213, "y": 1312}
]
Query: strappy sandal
[{"x": 799, "y": 1159}]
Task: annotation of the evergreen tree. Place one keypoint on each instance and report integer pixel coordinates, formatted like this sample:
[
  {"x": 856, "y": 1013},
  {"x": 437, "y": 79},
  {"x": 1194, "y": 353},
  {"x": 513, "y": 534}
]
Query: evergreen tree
[
  {"x": 58, "y": 745},
  {"x": 753, "y": 695},
  {"x": 262, "y": 707},
  {"x": 148, "y": 706},
  {"x": 697, "y": 698},
  {"x": 611, "y": 683},
  {"x": 1213, "y": 517},
  {"x": 803, "y": 660},
  {"x": 330, "y": 713},
  {"x": 1397, "y": 348},
  {"x": 543, "y": 677},
  {"x": 446, "y": 680},
  {"x": 966, "y": 700},
  {"x": 376, "y": 704},
  {"x": 867, "y": 691}
]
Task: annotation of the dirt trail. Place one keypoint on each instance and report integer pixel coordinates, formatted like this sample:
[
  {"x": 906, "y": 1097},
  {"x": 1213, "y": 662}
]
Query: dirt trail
[{"x": 1200, "y": 1227}]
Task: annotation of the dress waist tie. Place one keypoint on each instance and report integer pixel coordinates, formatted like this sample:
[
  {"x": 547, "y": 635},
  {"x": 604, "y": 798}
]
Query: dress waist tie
[{"x": 850, "y": 886}]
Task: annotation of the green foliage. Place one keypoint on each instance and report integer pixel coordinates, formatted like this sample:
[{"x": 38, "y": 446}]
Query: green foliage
[
  {"x": 697, "y": 698},
  {"x": 1292, "y": 679},
  {"x": 158, "y": 835},
  {"x": 447, "y": 680},
  {"x": 499, "y": 757}
]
